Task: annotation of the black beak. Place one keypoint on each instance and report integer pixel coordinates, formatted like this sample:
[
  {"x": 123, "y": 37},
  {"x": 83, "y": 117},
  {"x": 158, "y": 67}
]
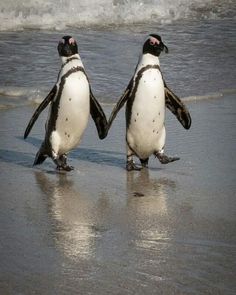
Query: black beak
[{"x": 166, "y": 48}]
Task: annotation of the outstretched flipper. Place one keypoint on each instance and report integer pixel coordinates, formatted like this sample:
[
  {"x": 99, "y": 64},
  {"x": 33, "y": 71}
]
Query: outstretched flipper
[
  {"x": 172, "y": 102},
  {"x": 98, "y": 116},
  {"x": 177, "y": 107},
  {"x": 41, "y": 155},
  {"x": 120, "y": 103},
  {"x": 40, "y": 108}
]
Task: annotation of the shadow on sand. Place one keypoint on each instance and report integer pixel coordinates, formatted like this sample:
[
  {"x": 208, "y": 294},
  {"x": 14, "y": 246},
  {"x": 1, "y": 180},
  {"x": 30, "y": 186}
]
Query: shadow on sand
[{"x": 97, "y": 156}]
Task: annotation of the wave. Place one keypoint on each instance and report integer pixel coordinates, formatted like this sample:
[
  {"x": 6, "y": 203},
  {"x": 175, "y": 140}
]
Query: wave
[
  {"x": 22, "y": 96},
  {"x": 52, "y": 14}
]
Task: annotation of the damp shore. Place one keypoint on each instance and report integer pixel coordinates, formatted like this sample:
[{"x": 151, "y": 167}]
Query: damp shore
[{"x": 169, "y": 229}]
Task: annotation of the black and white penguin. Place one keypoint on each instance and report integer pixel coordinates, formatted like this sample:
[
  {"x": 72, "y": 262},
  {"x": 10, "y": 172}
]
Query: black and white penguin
[
  {"x": 71, "y": 103},
  {"x": 147, "y": 95}
]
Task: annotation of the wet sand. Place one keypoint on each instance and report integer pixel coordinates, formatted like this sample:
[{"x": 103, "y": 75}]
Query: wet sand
[{"x": 100, "y": 230}]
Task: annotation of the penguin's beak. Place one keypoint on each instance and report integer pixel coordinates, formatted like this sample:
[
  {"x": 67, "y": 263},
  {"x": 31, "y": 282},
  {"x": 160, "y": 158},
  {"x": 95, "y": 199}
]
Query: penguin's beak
[{"x": 165, "y": 48}]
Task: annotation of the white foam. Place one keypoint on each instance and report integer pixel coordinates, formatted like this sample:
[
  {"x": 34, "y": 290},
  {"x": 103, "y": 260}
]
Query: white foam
[
  {"x": 209, "y": 95},
  {"x": 53, "y": 14},
  {"x": 20, "y": 96}
]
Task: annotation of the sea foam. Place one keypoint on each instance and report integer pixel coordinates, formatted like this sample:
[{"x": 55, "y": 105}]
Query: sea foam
[
  {"x": 52, "y": 14},
  {"x": 19, "y": 96}
]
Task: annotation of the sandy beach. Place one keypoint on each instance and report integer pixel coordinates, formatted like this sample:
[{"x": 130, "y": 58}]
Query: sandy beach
[{"x": 102, "y": 230}]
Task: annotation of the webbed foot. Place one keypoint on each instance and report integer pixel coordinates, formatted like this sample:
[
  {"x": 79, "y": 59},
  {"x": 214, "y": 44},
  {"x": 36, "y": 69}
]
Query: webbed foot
[
  {"x": 144, "y": 163},
  {"x": 164, "y": 159},
  {"x": 61, "y": 163},
  {"x": 130, "y": 166},
  {"x": 65, "y": 168}
]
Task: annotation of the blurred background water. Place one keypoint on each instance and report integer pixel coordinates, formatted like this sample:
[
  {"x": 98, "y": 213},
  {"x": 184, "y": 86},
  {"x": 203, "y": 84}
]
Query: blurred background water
[{"x": 201, "y": 37}]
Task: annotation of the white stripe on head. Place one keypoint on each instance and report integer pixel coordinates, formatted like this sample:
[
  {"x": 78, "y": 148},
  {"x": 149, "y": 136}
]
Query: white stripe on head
[
  {"x": 153, "y": 40},
  {"x": 71, "y": 41}
]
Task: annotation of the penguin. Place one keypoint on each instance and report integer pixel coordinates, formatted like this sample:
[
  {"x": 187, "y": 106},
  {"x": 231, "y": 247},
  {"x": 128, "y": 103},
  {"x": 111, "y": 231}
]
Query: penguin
[
  {"x": 146, "y": 97},
  {"x": 71, "y": 101}
]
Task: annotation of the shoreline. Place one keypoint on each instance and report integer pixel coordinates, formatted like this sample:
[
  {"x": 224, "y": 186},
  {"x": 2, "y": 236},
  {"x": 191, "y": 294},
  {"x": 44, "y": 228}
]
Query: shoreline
[
  {"x": 101, "y": 230},
  {"x": 11, "y": 100}
]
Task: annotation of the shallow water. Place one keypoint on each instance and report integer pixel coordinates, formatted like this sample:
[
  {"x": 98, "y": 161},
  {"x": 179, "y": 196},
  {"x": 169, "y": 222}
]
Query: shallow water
[{"x": 201, "y": 62}]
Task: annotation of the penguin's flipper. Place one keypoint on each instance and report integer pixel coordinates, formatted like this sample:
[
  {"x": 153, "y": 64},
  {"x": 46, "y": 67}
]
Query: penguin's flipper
[
  {"x": 40, "y": 108},
  {"x": 120, "y": 103},
  {"x": 98, "y": 116},
  {"x": 40, "y": 156},
  {"x": 177, "y": 107}
]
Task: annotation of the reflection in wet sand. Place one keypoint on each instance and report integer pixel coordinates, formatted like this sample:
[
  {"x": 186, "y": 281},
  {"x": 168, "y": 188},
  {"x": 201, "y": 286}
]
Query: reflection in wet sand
[
  {"x": 145, "y": 237},
  {"x": 83, "y": 227},
  {"x": 148, "y": 201},
  {"x": 72, "y": 215}
]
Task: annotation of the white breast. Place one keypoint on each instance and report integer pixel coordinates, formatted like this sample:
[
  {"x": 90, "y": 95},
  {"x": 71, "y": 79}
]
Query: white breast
[
  {"x": 73, "y": 113},
  {"x": 146, "y": 129}
]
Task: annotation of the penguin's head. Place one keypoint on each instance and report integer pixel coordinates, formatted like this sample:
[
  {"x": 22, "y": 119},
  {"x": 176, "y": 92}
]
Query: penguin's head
[
  {"x": 154, "y": 45},
  {"x": 67, "y": 46}
]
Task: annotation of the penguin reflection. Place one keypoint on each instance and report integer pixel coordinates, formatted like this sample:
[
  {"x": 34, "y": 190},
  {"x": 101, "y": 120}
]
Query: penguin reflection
[
  {"x": 72, "y": 215},
  {"x": 148, "y": 205}
]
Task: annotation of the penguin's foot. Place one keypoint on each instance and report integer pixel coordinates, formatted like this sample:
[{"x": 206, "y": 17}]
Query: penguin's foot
[
  {"x": 164, "y": 159},
  {"x": 130, "y": 166},
  {"x": 61, "y": 163},
  {"x": 144, "y": 163},
  {"x": 64, "y": 167}
]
